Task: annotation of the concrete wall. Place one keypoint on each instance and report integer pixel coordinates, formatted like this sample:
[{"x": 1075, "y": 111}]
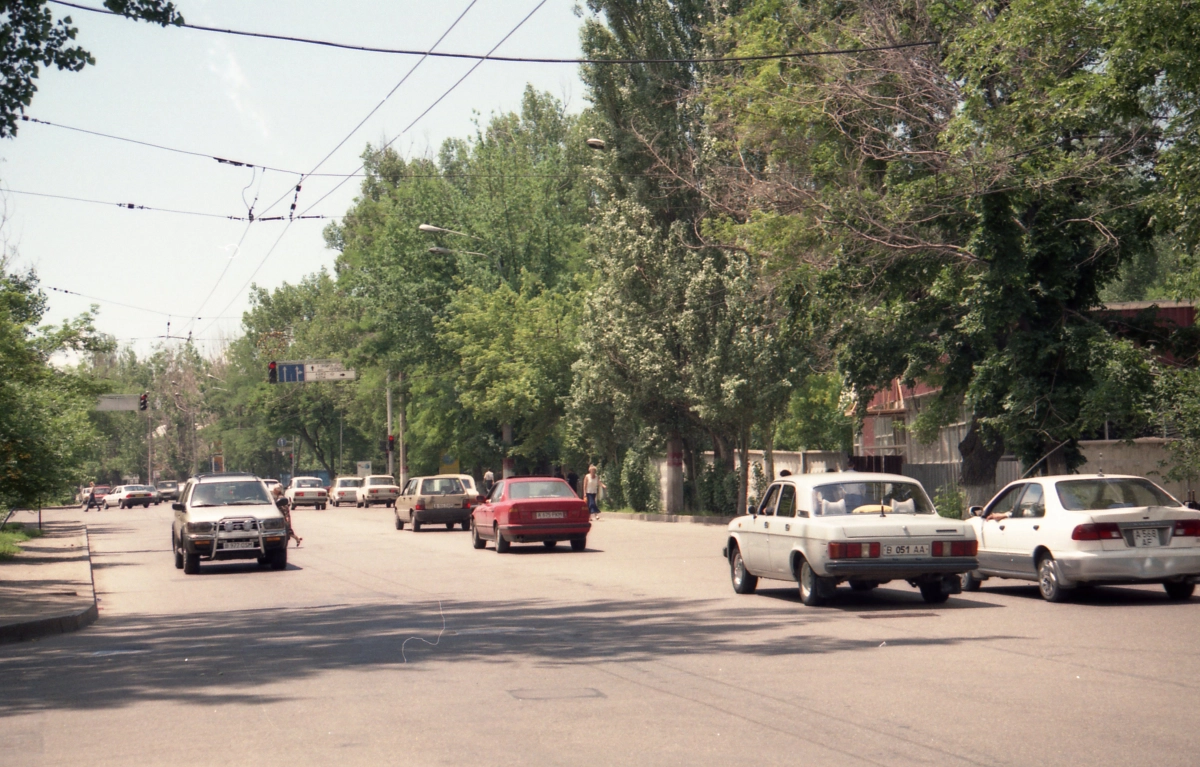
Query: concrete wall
[
  {"x": 1147, "y": 457},
  {"x": 803, "y": 462}
]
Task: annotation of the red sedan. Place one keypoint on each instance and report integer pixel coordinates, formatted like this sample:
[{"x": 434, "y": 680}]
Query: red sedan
[{"x": 531, "y": 510}]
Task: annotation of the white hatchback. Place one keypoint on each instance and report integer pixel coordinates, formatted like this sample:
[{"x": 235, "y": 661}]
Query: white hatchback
[
  {"x": 820, "y": 530},
  {"x": 1081, "y": 530}
]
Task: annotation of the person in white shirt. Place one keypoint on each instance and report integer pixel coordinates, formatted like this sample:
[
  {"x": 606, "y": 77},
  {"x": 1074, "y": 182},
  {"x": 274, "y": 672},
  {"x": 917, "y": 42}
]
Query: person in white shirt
[{"x": 591, "y": 488}]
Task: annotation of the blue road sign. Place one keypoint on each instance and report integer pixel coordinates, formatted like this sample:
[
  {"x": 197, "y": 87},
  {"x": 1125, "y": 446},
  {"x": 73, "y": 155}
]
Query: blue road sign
[{"x": 291, "y": 372}]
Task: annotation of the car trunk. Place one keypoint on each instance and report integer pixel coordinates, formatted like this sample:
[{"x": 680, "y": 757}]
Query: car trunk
[
  {"x": 901, "y": 526},
  {"x": 534, "y": 510},
  {"x": 1136, "y": 525}
]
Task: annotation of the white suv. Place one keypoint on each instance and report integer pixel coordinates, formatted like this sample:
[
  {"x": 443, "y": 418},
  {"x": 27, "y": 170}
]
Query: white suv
[{"x": 227, "y": 516}]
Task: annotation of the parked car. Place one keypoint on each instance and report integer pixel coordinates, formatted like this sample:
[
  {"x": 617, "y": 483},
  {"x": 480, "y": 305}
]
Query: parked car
[
  {"x": 377, "y": 488},
  {"x": 227, "y": 516},
  {"x": 128, "y": 496},
  {"x": 306, "y": 491},
  {"x": 1079, "y": 530},
  {"x": 95, "y": 498},
  {"x": 819, "y": 530},
  {"x": 168, "y": 490},
  {"x": 440, "y": 499},
  {"x": 531, "y": 510},
  {"x": 345, "y": 490}
]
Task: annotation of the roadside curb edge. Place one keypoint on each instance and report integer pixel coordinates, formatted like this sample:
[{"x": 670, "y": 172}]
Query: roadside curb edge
[
  {"x": 686, "y": 518},
  {"x": 57, "y": 624}
]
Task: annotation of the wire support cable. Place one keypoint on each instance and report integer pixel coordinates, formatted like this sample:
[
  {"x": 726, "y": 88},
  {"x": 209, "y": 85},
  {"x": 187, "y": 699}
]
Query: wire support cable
[
  {"x": 135, "y": 206},
  {"x": 531, "y": 59},
  {"x": 129, "y": 306}
]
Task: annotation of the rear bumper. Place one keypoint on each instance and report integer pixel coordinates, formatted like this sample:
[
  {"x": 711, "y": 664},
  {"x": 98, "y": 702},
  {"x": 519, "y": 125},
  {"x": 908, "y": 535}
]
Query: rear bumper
[
  {"x": 309, "y": 501},
  {"x": 555, "y": 532},
  {"x": 899, "y": 570},
  {"x": 440, "y": 516},
  {"x": 1132, "y": 566}
]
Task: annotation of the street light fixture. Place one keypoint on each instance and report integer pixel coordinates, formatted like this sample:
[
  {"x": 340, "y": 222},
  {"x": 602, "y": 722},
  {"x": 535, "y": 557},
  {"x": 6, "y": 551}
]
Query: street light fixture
[
  {"x": 597, "y": 143},
  {"x": 431, "y": 229}
]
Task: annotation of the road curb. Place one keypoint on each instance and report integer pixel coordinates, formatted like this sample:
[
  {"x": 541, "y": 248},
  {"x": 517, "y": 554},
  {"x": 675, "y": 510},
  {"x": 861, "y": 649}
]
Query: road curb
[
  {"x": 57, "y": 624},
  {"x": 695, "y": 519}
]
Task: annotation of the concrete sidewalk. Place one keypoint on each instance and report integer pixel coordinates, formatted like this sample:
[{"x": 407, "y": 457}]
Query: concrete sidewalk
[{"x": 47, "y": 588}]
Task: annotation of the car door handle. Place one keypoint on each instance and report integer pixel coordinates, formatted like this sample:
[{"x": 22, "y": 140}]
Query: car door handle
[
  {"x": 1035, "y": 527},
  {"x": 1001, "y": 527},
  {"x": 787, "y": 528},
  {"x": 766, "y": 525}
]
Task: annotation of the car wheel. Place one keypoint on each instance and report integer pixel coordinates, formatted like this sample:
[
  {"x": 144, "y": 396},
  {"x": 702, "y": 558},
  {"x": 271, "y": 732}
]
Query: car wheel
[
  {"x": 262, "y": 561},
  {"x": 578, "y": 544},
  {"x": 1049, "y": 584},
  {"x": 934, "y": 593},
  {"x": 501, "y": 544},
  {"x": 814, "y": 590},
  {"x": 970, "y": 581},
  {"x": 278, "y": 559},
  {"x": 743, "y": 581},
  {"x": 191, "y": 563},
  {"x": 399, "y": 523},
  {"x": 466, "y": 525},
  {"x": 549, "y": 544},
  {"x": 862, "y": 585},
  {"x": 416, "y": 525},
  {"x": 178, "y": 553},
  {"x": 449, "y": 525},
  {"x": 476, "y": 541},
  {"x": 1179, "y": 589}
]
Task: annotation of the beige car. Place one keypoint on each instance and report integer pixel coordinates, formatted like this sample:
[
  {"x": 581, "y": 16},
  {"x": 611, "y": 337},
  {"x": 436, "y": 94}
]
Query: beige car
[
  {"x": 435, "y": 500},
  {"x": 377, "y": 488}
]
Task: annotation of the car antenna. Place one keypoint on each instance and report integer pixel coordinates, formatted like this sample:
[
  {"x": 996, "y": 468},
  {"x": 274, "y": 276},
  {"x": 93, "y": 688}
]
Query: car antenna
[{"x": 1100, "y": 471}]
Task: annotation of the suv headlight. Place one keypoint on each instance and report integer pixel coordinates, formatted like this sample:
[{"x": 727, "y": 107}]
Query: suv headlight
[
  {"x": 199, "y": 527},
  {"x": 272, "y": 524}
]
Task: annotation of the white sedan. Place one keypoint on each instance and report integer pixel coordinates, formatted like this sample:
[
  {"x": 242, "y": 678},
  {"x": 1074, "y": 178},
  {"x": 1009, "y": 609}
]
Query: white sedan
[
  {"x": 1082, "y": 530},
  {"x": 820, "y": 530},
  {"x": 128, "y": 496},
  {"x": 378, "y": 488},
  {"x": 345, "y": 490},
  {"x": 306, "y": 491}
]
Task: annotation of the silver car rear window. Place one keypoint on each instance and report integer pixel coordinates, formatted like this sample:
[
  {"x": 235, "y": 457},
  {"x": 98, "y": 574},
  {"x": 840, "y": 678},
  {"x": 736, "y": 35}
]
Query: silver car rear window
[{"x": 1100, "y": 494}]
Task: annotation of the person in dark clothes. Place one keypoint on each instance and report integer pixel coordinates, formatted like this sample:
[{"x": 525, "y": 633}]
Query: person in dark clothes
[{"x": 573, "y": 480}]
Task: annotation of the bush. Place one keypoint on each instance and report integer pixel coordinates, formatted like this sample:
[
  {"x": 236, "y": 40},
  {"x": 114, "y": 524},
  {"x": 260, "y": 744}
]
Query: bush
[
  {"x": 950, "y": 501},
  {"x": 639, "y": 484},
  {"x": 610, "y": 475},
  {"x": 717, "y": 488},
  {"x": 12, "y": 535}
]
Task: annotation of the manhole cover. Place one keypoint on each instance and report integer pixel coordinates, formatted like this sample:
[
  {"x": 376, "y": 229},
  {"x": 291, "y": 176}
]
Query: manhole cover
[{"x": 558, "y": 694}]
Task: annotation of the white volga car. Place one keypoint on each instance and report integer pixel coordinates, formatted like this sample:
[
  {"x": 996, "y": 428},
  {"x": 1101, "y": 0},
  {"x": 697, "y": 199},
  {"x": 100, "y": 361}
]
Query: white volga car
[
  {"x": 345, "y": 490},
  {"x": 306, "y": 491},
  {"x": 820, "y": 530},
  {"x": 1082, "y": 530}
]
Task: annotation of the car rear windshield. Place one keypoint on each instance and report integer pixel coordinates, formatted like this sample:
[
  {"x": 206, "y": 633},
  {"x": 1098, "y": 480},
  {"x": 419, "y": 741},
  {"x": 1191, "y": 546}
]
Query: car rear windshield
[
  {"x": 381, "y": 481},
  {"x": 551, "y": 488},
  {"x": 239, "y": 493},
  {"x": 168, "y": 485},
  {"x": 441, "y": 486},
  {"x": 308, "y": 483},
  {"x": 349, "y": 483},
  {"x": 1100, "y": 494},
  {"x": 870, "y": 498}
]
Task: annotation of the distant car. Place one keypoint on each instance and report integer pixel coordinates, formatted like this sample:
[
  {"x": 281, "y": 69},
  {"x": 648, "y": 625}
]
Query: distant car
[
  {"x": 306, "y": 491},
  {"x": 95, "y": 498},
  {"x": 128, "y": 496},
  {"x": 1082, "y": 530},
  {"x": 377, "y": 488},
  {"x": 471, "y": 487},
  {"x": 271, "y": 484},
  {"x": 819, "y": 530},
  {"x": 345, "y": 490},
  {"x": 440, "y": 499},
  {"x": 531, "y": 510},
  {"x": 168, "y": 490},
  {"x": 227, "y": 516}
]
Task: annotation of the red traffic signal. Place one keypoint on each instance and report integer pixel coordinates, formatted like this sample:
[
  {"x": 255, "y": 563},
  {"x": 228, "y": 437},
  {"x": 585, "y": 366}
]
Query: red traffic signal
[
  {"x": 272, "y": 373},
  {"x": 143, "y": 402},
  {"x": 391, "y": 443}
]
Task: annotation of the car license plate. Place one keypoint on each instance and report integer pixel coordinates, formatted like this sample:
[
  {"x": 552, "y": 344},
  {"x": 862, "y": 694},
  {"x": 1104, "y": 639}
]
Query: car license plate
[
  {"x": 548, "y": 515},
  {"x": 906, "y": 550},
  {"x": 1145, "y": 537},
  {"x": 239, "y": 544}
]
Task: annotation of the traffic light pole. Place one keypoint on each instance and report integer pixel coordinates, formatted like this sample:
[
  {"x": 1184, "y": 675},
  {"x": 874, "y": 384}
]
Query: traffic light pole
[
  {"x": 149, "y": 446},
  {"x": 391, "y": 463}
]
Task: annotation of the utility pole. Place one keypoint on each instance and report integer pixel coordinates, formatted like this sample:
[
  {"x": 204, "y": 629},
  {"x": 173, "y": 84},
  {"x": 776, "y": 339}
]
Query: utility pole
[
  {"x": 150, "y": 445},
  {"x": 400, "y": 434},
  {"x": 388, "y": 385},
  {"x": 508, "y": 468}
]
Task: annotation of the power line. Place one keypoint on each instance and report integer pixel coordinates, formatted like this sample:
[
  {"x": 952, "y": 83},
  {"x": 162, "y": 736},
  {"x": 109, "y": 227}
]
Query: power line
[
  {"x": 134, "y": 206},
  {"x": 128, "y": 306},
  {"x": 528, "y": 59}
]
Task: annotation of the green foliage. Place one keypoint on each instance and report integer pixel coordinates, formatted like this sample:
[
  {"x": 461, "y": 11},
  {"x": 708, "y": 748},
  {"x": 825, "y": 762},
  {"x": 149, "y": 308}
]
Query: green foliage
[
  {"x": 950, "y": 501},
  {"x": 11, "y": 536},
  {"x": 639, "y": 482},
  {"x": 717, "y": 490},
  {"x": 816, "y": 417},
  {"x": 1178, "y": 394}
]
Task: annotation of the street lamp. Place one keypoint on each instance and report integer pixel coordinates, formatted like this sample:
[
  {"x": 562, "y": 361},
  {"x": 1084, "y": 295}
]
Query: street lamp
[
  {"x": 596, "y": 143},
  {"x": 431, "y": 229}
]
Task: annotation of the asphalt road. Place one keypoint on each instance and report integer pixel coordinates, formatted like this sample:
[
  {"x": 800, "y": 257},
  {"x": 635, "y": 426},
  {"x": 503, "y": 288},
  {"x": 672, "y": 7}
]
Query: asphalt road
[{"x": 384, "y": 647}]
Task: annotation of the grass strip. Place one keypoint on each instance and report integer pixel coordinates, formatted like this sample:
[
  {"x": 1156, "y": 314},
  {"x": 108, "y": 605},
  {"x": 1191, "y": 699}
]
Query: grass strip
[{"x": 12, "y": 536}]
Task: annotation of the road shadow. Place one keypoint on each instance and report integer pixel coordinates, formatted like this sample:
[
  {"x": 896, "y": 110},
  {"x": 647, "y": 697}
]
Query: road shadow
[
  {"x": 203, "y": 659},
  {"x": 880, "y": 599},
  {"x": 1150, "y": 595}
]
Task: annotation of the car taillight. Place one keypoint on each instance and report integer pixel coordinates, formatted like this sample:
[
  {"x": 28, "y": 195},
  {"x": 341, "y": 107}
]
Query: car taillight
[
  {"x": 1099, "y": 531},
  {"x": 466, "y": 503},
  {"x": 1187, "y": 527},
  {"x": 955, "y": 548},
  {"x": 853, "y": 550},
  {"x": 419, "y": 505},
  {"x": 374, "y": 490}
]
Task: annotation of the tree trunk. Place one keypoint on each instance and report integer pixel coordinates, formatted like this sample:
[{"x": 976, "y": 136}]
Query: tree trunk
[
  {"x": 769, "y": 451},
  {"x": 689, "y": 467},
  {"x": 317, "y": 451},
  {"x": 743, "y": 471},
  {"x": 979, "y": 464},
  {"x": 674, "y": 478}
]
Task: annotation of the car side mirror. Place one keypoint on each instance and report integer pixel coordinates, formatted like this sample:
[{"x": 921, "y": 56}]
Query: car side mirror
[
  {"x": 975, "y": 511},
  {"x": 177, "y": 506},
  {"x": 281, "y": 504}
]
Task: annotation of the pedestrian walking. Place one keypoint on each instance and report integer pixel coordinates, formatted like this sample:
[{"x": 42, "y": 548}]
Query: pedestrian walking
[
  {"x": 277, "y": 491},
  {"x": 489, "y": 479},
  {"x": 591, "y": 488}
]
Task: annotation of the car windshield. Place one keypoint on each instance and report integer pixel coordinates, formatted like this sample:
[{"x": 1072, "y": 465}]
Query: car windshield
[
  {"x": 308, "y": 483},
  {"x": 349, "y": 483},
  {"x": 1100, "y": 494},
  {"x": 870, "y": 498},
  {"x": 441, "y": 486},
  {"x": 551, "y": 488},
  {"x": 381, "y": 481},
  {"x": 168, "y": 485},
  {"x": 237, "y": 493}
]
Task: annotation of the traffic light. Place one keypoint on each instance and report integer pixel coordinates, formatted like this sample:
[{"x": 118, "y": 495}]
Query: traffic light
[
  {"x": 391, "y": 443},
  {"x": 143, "y": 402},
  {"x": 272, "y": 373}
]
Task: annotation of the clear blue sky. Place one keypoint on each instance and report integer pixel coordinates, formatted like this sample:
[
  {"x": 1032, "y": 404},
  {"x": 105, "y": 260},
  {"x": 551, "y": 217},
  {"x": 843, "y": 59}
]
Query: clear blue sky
[{"x": 265, "y": 102}]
